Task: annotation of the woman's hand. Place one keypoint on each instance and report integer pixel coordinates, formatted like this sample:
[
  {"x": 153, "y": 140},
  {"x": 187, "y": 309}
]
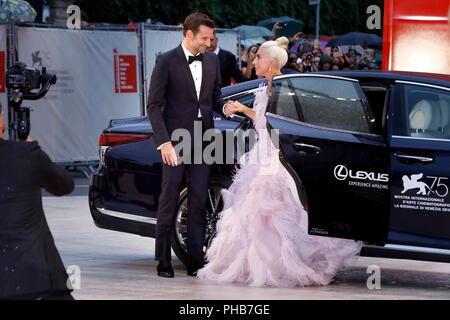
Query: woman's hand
[{"x": 236, "y": 106}]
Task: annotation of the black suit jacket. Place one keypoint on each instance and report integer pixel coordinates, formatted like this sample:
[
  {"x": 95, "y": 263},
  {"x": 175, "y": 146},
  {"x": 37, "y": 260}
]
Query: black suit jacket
[
  {"x": 229, "y": 68},
  {"x": 172, "y": 100},
  {"x": 29, "y": 260}
]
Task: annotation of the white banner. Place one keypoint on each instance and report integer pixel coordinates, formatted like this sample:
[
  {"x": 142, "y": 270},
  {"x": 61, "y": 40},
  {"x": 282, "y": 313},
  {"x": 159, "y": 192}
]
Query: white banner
[
  {"x": 159, "y": 41},
  {"x": 3, "y": 58},
  {"x": 97, "y": 81}
]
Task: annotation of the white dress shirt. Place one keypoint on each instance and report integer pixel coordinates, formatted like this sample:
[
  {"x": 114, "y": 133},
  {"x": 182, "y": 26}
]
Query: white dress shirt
[{"x": 196, "y": 71}]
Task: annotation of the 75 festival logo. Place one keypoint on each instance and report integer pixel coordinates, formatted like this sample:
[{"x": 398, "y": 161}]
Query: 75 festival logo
[{"x": 436, "y": 185}]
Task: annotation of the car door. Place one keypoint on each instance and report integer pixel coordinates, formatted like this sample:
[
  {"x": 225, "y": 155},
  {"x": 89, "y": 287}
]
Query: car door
[
  {"x": 420, "y": 165},
  {"x": 329, "y": 144}
]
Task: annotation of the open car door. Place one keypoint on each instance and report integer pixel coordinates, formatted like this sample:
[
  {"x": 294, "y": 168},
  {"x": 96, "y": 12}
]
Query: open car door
[{"x": 329, "y": 143}]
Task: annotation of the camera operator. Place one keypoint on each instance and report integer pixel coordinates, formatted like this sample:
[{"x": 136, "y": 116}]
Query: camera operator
[{"x": 30, "y": 265}]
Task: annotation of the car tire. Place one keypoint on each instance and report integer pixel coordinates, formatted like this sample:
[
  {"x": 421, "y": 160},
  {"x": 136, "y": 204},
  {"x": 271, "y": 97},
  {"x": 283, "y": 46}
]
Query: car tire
[{"x": 213, "y": 207}]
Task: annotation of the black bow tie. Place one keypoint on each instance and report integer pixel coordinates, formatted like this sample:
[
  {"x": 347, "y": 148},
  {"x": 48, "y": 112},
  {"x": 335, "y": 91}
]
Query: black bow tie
[{"x": 198, "y": 57}]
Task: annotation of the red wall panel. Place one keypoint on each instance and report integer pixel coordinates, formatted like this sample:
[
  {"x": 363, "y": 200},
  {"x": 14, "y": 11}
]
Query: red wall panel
[{"x": 416, "y": 36}]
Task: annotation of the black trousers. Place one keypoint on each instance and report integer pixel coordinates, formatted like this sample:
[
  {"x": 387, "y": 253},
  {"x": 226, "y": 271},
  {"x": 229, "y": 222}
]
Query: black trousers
[{"x": 198, "y": 176}]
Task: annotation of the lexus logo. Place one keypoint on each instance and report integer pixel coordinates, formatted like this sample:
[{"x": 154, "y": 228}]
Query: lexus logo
[{"x": 340, "y": 172}]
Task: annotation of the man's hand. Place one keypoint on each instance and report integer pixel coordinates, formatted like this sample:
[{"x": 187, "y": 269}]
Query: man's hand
[
  {"x": 168, "y": 155},
  {"x": 228, "y": 108},
  {"x": 29, "y": 139}
]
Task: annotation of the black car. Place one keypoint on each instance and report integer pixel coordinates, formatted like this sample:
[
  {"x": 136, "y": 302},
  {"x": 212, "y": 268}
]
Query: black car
[{"x": 369, "y": 152}]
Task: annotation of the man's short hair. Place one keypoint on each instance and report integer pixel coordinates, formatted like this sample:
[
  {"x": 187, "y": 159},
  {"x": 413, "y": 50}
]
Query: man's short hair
[
  {"x": 195, "y": 20},
  {"x": 1, "y": 109}
]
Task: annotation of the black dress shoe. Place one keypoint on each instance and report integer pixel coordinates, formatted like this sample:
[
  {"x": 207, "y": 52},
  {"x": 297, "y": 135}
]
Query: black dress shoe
[
  {"x": 165, "y": 269},
  {"x": 194, "y": 267}
]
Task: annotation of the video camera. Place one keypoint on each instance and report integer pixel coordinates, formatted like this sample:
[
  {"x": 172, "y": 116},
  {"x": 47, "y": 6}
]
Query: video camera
[{"x": 22, "y": 81}]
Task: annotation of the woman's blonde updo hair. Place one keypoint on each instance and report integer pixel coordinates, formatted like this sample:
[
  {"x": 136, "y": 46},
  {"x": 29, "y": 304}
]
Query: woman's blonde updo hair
[{"x": 277, "y": 50}]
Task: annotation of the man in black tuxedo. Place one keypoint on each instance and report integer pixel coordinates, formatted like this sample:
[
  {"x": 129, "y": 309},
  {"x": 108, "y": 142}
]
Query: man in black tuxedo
[
  {"x": 184, "y": 89},
  {"x": 30, "y": 266},
  {"x": 228, "y": 64}
]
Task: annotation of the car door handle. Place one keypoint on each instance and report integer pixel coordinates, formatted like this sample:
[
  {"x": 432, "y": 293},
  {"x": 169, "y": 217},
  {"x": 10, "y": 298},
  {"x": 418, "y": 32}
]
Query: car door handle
[
  {"x": 306, "y": 148},
  {"x": 406, "y": 158}
]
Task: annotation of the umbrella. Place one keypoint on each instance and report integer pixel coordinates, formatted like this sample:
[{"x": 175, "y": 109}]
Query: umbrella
[
  {"x": 16, "y": 10},
  {"x": 293, "y": 25},
  {"x": 355, "y": 38},
  {"x": 249, "y": 42},
  {"x": 253, "y": 32}
]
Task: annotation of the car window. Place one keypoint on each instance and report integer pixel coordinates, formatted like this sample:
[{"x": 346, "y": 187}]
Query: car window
[
  {"x": 425, "y": 114},
  {"x": 325, "y": 102}
]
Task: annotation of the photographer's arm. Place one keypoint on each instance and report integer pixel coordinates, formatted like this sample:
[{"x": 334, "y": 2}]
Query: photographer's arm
[
  {"x": 277, "y": 26},
  {"x": 54, "y": 179},
  {"x": 314, "y": 67}
]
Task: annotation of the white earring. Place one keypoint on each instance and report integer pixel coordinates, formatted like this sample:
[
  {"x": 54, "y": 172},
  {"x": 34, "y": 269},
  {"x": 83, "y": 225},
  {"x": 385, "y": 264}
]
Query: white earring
[{"x": 270, "y": 68}]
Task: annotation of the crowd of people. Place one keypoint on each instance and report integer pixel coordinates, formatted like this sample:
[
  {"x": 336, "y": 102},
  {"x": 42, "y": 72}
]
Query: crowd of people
[{"x": 307, "y": 55}]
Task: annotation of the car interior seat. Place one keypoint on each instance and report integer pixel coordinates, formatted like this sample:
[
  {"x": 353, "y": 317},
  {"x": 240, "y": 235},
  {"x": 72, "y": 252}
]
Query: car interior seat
[{"x": 425, "y": 119}]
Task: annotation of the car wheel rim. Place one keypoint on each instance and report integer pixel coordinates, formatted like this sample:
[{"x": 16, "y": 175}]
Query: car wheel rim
[{"x": 213, "y": 206}]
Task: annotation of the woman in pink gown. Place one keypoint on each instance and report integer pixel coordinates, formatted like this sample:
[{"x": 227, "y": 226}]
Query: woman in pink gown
[{"x": 262, "y": 237}]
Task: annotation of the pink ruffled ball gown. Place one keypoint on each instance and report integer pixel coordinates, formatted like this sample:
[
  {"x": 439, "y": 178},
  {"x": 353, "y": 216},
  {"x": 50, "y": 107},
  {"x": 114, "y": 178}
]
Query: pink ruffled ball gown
[{"x": 262, "y": 237}]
